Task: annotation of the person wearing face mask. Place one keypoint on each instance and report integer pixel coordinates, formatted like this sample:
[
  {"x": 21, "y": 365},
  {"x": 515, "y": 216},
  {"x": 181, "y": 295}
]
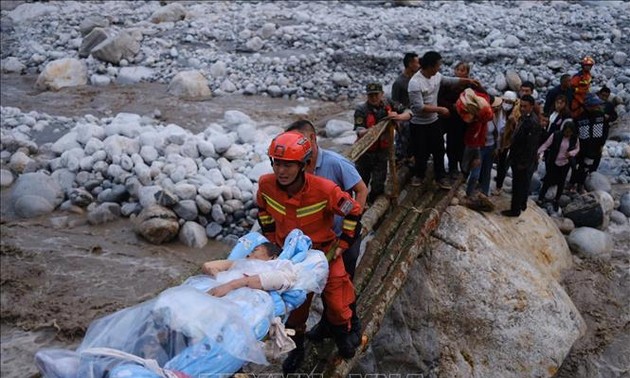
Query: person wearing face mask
[{"x": 505, "y": 130}]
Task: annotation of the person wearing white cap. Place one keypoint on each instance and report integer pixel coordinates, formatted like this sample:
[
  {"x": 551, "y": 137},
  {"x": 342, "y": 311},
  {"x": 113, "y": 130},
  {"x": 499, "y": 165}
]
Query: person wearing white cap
[{"x": 506, "y": 130}]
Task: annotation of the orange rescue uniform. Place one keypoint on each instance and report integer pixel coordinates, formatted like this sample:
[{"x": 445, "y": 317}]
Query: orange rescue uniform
[
  {"x": 312, "y": 210},
  {"x": 581, "y": 84}
]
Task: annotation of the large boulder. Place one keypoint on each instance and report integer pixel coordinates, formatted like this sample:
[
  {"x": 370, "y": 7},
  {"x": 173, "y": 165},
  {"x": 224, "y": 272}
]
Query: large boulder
[
  {"x": 117, "y": 45},
  {"x": 483, "y": 300},
  {"x": 66, "y": 72},
  {"x": 591, "y": 243},
  {"x": 585, "y": 211},
  {"x": 193, "y": 235},
  {"x": 36, "y": 184},
  {"x": 597, "y": 181},
  {"x": 157, "y": 224},
  {"x": 172, "y": 12},
  {"x": 624, "y": 204},
  {"x": 189, "y": 84}
]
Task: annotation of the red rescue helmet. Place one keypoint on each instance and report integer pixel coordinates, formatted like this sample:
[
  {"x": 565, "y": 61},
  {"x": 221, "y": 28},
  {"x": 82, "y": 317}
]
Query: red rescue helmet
[
  {"x": 291, "y": 146},
  {"x": 587, "y": 61}
]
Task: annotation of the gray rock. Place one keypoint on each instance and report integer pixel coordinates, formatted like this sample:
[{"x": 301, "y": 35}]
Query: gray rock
[
  {"x": 597, "y": 181},
  {"x": 38, "y": 184},
  {"x": 624, "y": 204},
  {"x": 156, "y": 224},
  {"x": 103, "y": 213},
  {"x": 12, "y": 64},
  {"x": 133, "y": 75},
  {"x": 66, "y": 72},
  {"x": 221, "y": 142},
  {"x": 217, "y": 214},
  {"x": 255, "y": 44},
  {"x": 227, "y": 86},
  {"x": 193, "y": 235},
  {"x": 91, "y": 40},
  {"x": 130, "y": 208},
  {"x": 617, "y": 217},
  {"x": 523, "y": 300},
  {"x": 274, "y": 91},
  {"x": 165, "y": 198},
  {"x": 30, "y": 206},
  {"x": 213, "y": 229},
  {"x": 118, "y": 45},
  {"x": 185, "y": 190},
  {"x": 513, "y": 80},
  {"x": 172, "y": 12},
  {"x": 186, "y": 209},
  {"x": 335, "y": 128},
  {"x": 189, "y": 84},
  {"x": 500, "y": 83},
  {"x": 89, "y": 23},
  {"x": 6, "y": 178},
  {"x": 585, "y": 211},
  {"x": 203, "y": 205},
  {"x": 218, "y": 69},
  {"x": 341, "y": 79},
  {"x": 591, "y": 243},
  {"x": 80, "y": 197},
  {"x": 565, "y": 225},
  {"x": 619, "y": 58},
  {"x": 118, "y": 193}
]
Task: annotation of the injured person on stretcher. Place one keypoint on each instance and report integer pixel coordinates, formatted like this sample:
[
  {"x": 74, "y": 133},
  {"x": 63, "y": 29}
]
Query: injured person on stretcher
[{"x": 185, "y": 332}]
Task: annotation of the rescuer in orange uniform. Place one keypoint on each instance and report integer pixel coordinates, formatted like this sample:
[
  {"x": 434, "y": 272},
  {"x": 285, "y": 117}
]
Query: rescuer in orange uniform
[
  {"x": 292, "y": 198},
  {"x": 581, "y": 84}
]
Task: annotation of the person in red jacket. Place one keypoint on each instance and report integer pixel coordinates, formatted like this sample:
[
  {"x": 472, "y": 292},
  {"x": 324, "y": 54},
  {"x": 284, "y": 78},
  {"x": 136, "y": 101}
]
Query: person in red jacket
[
  {"x": 581, "y": 84},
  {"x": 291, "y": 198}
]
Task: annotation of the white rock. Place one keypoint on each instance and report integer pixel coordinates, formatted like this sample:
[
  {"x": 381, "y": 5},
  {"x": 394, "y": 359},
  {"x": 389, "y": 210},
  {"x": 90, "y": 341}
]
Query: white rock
[
  {"x": 206, "y": 148},
  {"x": 189, "y": 84},
  {"x": 29, "y": 11},
  {"x": 335, "y": 128},
  {"x": 590, "y": 242},
  {"x": 597, "y": 181},
  {"x": 87, "y": 131},
  {"x": 65, "y": 143},
  {"x": 210, "y": 191},
  {"x": 267, "y": 30},
  {"x": 236, "y": 151},
  {"x": 66, "y": 72},
  {"x": 94, "y": 145},
  {"x": 132, "y": 75},
  {"x": 19, "y": 161},
  {"x": 38, "y": 184},
  {"x": 185, "y": 191},
  {"x": 117, "y": 145},
  {"x": 227, "y": 86},
  {"x": 236, "y": 117},
  {"x": 499, "y": 81},
  {"x": 221, "y": 142},
  {"x": 193, "y": 235},
  {"x": 255, "y": 44},
  {"x": 619, "y": 58},
  {"x": 218, "y": 69},
  {"x": 118, "y": 45},
  {"x": 341, "y": 79},
  {"x": 100, "y": 80},
  {"x": 262, "y": 168},
  {"x": 172, "y": 12},
  {"x": 6, "y": 178},
  {"x": 146, "y": 195},
  {"x": 30, "y": 206},
  {"x": 12, "y": 64},
  {"x": 513, "y": 80}
]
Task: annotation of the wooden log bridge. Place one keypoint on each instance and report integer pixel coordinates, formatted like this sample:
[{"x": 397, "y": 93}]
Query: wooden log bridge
[{"x": 400, "y": 238}]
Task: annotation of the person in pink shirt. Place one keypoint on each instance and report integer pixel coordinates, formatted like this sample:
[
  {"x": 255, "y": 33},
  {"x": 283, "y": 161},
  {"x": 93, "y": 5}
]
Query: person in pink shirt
[{"x": 563, "y": 145}]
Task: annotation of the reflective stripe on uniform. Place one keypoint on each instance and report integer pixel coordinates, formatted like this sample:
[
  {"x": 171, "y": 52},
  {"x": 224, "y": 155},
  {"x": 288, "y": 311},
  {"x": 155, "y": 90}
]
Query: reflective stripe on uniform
[
  {"x": 275, "y": 204},
  {"x": 311, "y": 209},
  {"x": 265, "y": 219},
  {"x": 349, "y": 225}
]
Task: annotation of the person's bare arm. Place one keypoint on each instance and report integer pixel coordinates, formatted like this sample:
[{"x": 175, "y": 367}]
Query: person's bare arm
[
  {"x": 212, "y": 268},
  {"x": 360, "y": 193},
  {"x": 253, "y": 282}
]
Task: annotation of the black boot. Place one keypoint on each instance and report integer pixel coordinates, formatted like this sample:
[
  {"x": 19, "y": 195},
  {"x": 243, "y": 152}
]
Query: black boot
[
  {"x": 320, "y": 332},
  {"x": 294, "y": 360},
  {"x": 346, "y": 340}
]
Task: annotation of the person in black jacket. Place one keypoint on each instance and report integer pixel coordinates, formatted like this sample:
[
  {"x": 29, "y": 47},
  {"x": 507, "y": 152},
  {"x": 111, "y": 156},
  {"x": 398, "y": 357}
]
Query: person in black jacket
[
  {"x": 592, "y": 127},
  {"x": 522, "y": 155},
  {"x": 563, "y": 89},
  {"x": 609, "y": 108},
  {"x": 562, "y": 146}
]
